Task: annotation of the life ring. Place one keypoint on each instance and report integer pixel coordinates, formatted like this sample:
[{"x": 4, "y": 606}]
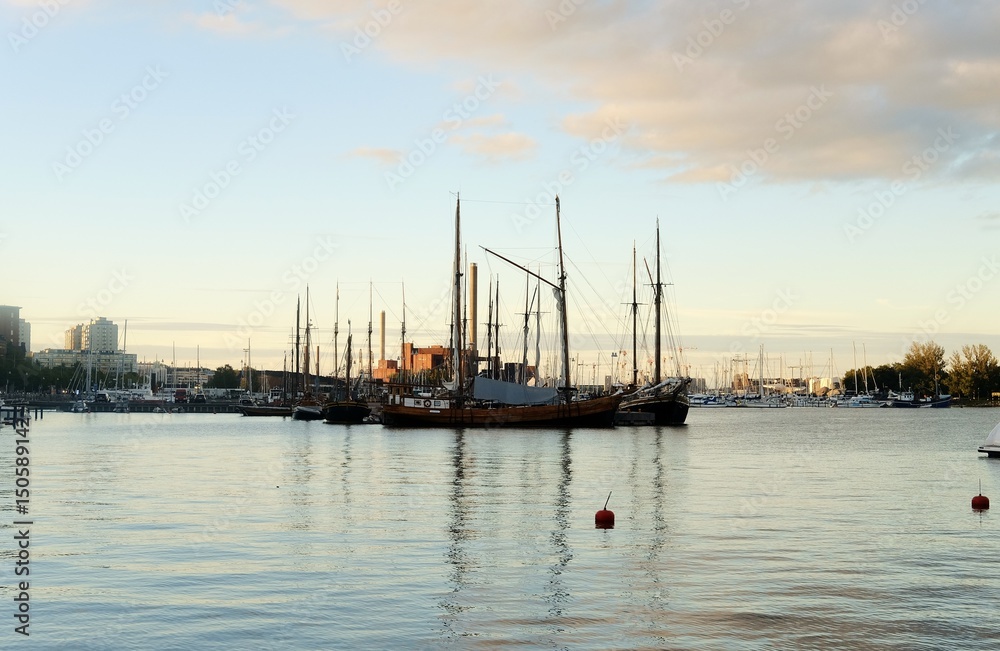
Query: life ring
[{"x": 427, "y": 403}]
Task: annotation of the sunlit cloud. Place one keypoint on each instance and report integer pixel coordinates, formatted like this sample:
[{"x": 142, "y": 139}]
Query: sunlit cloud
[
  {"x": 382, "y": 155},
  {"x": 498, "y": 147},
  {"x": 703, "y": 85},
  {"x": 231, "y": 24}
]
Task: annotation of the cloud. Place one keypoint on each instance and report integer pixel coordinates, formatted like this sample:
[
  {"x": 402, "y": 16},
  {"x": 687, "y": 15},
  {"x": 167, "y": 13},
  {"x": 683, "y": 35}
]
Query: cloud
[
  {"x": 989, "y": 221},
  {"x": 707, "y": 85},
  {"x": 498, "y": 147},
  {"x": 383, "y": 155},
  {"x": 231, "y": 24}
]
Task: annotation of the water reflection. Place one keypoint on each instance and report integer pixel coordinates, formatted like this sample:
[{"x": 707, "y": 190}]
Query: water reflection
[
  {"x": 300, "y": 476},
  {"x": 559, "y": 595},
  {"x": 345, "y": 476},
  {"x": 458, "y": 534}
]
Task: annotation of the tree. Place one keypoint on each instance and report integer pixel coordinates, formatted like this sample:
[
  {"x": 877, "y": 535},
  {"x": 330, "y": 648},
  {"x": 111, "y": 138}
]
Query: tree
[
  {"x": 887, "y": 376},
  {"x": 880, "y": 379},
  {"x": 923, "y": 367},
  {"x": 225, "y": 377},
  {"x": 974, "y": 372}
]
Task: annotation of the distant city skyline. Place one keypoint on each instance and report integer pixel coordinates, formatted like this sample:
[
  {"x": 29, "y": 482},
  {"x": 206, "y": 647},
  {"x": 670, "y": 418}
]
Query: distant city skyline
[{"x": 823, "y": 174}]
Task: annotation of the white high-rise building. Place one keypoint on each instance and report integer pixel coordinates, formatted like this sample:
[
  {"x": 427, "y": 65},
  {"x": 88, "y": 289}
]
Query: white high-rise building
[{"x": 100, "y": 336}]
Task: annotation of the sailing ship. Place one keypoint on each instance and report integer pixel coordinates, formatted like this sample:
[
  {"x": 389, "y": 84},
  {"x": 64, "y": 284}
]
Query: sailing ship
[
  {"x": 309, "y": 406},
  {"x": 665, "y": 398},
  {"x": 991, "y": 446},
  {"x": 486, "y": 402},
  {"x": 347, "y": 411}
]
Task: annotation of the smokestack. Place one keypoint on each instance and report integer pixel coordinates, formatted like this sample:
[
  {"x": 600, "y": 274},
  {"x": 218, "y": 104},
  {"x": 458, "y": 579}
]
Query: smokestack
[
  {"x": 472, "y": 307},
  {"x": 381, "y": 328}
]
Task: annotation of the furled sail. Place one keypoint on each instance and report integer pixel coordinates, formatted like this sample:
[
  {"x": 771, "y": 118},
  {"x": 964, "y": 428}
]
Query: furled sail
[{"x": 511, "y": 393}]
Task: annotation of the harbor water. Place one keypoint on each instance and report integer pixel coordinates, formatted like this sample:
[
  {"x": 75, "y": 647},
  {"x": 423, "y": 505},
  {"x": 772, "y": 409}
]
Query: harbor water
[{"x": 745, "y": 529}]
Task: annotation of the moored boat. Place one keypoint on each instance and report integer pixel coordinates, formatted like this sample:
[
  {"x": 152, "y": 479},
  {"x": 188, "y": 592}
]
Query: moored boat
[
  {"x": 485, "y": 402},
  {"x": 347, "y": 411},
  {"x": 907, "y": 400},
  {"x": 666, "y": 399},
  {"x": 427, "y": 412},
  {"x": 265, "y": 410},
  {"x": 991, "y": 446}
]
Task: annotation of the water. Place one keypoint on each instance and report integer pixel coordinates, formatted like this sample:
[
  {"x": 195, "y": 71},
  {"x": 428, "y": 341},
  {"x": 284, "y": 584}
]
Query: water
[{"x": 746, "y": 529}]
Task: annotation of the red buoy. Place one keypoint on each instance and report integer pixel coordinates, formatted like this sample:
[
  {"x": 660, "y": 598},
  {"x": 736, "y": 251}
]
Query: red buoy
[
  {"x": 980, "y": 502},
  {"x": 605, "y": 519}
]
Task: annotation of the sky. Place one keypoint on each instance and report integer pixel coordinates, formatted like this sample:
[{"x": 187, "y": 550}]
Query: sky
[{"x": 822, "y": 173}]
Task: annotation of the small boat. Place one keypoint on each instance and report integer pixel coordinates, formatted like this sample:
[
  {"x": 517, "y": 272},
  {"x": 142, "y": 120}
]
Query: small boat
[
  {"x": 308, "y": 409},
  {"x": 991, "y": 447},
  {"x": 80, "y": 407},
  {"x": 864, "y": 402},
  {"x": 253, "y": 409}
]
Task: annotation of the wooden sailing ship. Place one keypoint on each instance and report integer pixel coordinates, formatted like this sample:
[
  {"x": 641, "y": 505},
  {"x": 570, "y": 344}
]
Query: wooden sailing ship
[
  {"x": 665, "y": 398},
  {"x": 347, "y": 411},
  {"x": 483, "y": 402}
]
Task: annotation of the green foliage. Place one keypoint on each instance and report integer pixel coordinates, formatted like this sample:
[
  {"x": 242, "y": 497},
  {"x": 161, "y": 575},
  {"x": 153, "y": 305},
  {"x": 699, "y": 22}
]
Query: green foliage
[
  {"x": 923, "y": 368},
  {"x": 225, "y": 377},
  {"x": 18, "y": 373},
  {"x": 974, "y": 372},
  {"x": 880, "y": 378}
]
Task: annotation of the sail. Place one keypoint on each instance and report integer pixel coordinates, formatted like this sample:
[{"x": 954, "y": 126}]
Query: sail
[
  {"x": 511, "y": 393},
  {"x": 994, "y": 436},
  {"x": 560, "y": 362}
]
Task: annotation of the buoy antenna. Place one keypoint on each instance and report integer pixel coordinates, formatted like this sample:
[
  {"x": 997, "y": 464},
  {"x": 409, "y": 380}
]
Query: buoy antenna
[{"x": 609, "y": 494}]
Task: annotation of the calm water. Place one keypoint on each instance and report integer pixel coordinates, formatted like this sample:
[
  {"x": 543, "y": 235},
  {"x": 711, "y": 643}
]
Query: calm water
[{"x": 746, "y": 529}]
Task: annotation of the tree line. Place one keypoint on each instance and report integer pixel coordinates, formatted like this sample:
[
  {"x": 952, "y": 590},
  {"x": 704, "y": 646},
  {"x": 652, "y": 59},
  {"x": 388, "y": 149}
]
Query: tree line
[{"x": 972, "y": 373}]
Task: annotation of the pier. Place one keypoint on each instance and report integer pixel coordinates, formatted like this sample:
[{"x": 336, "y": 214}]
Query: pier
[{"x": 12, "y": 414}]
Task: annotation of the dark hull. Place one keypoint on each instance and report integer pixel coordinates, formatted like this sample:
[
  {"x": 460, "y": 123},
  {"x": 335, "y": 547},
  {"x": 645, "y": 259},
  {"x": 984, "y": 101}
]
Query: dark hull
[
  {"x": 345, "y": 413},
  {"x": 598, "y": 412},
  {"x": 263, "y": 410},
  {"x": 991, "y": 451},
  {"x": 915, "y": 404},
  {"x": 665, "y": 411},
  {"x": 670, "y": 408},
  {"x": 307, "y": 412}
]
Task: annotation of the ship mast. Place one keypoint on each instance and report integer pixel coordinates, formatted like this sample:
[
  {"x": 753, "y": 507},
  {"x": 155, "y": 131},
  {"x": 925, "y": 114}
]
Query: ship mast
[
  {"x": 456, "y": 317},
  {"x": 347, "y": 377},
  {"x": 298, "y": 343},
  {"x": 305, "y": 354},
  {"x": 635, "y": 323},
  {"x": 562, "y": 304},
  {"x": 527, "y": 315},
  {"x": 336, "y": 329},
  {"x": 402, "y": 330},
  {"x": 369, "y": 386},
  {"x": 657, "y": 299}
]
